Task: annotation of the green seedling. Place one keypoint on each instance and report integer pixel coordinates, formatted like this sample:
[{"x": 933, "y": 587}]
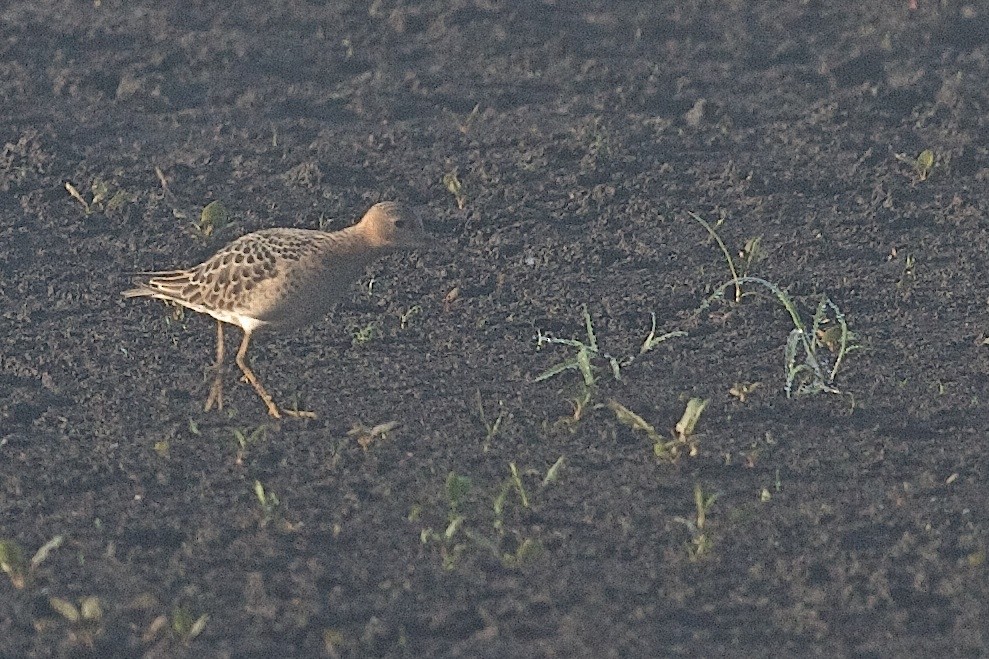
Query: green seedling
[
  {"x": 268, "y": 501},
  {"x": 85, "y": 619},
  {"x": 13, "y": 563},
  {"x": 368, "y": 435},
  {"x": 664, "y": 449},
  {"x": 245, "y": 440},
  {"x": 465, "y": 125},
  {"x": 214, "y": 217},
  {"x": 89, "y": 609},
  {"x": 589, "y": 351},
  {"x": 404, "y": 319},
  {"x": 186, "y": 626},
  {"x": 765, "y": 496},
  {"x": 527, "y": 551},
  {"x": 922, "y": 164},
  {"x": 451, "y": 181},
  {"x": 553, "y": 473},
  {"x": 511, "y": 484},
  {"x": 685, "y": 426},
  {"x": 806, "y": 372},
  {"x": 724, "y": 251},
  {"x": 491, "y": 427},
  {"x": 742, "y": 390},
  {"x": 700, "y": 544},
  {"x": 100, "y": 197},
  {"x": 457, "y": 488},
  {"x": 464, "y": 526},
  {"x": 366, "y": 334}
]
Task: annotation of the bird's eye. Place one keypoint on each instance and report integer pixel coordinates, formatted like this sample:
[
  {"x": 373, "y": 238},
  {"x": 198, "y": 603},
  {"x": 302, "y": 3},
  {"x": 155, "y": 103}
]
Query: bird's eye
[{"x": 400, "y": 224}]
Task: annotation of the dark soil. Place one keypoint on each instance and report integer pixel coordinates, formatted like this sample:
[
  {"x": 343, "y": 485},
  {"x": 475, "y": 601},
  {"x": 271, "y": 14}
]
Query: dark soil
[{"x": 582, "y": 134}]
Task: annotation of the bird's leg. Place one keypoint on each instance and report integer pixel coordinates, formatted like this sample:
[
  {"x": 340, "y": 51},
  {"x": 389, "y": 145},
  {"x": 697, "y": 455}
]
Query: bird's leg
[
  {"x": 216, "y": 390},
  {"x": 253, "y": 379},
  {"x": 254, "y": 382}
]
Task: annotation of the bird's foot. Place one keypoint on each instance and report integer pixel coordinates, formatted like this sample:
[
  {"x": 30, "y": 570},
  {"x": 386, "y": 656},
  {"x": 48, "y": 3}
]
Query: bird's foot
[{"x": 215, "y": 398}]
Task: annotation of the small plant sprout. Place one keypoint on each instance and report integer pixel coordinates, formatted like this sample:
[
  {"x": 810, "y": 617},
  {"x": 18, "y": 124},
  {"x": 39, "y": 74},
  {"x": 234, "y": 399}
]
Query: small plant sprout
[
  {"x": 742, "y": 390},
  {"x": 765, "y": 496},
  {"x": 724, "y": 251},
  {"x": 100, "y": 197},
  {"x": 404, "y": 319},
  {"x": 16, "y": 567},
  {"x": 450, "y": 298},
  {"x": 685, "y": 426},
  {"x": 214, "y": 217},
  {"x": 463, "y": 532},
  {"x": 586, "y": 352},
  {"x": 368, "y": 435},
  {"x": 84, "y": 619},
  {"x": 700, "y": 544},
  {"x": 186, "y": 625},
  {"x": 669, "y": 450},
  {"x": 629, "y": 418},
  {"x": 922, "y": 164},
  {"x": 366, "y": 334},
  {"x": 451, "y": 181},
  {"x": 13, "y": 563},
  {"x": 491, "y": 427},
  {"x": 553, "y": 473},
  {"x": 268, "y": 501},
  {"x": 245, "y": 440},
  {"x": 805, "y": 369},
  {"x": 457, "y": 488},
  {"x": 466, "y": 123}
]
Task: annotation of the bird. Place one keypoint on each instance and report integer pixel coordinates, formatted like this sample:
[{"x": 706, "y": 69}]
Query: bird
[{"x": 280, "y": 279}]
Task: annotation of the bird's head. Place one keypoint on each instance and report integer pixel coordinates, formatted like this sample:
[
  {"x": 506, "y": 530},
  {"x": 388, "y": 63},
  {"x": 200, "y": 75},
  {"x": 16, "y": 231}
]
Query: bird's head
[{"x": 391, "y": 225}]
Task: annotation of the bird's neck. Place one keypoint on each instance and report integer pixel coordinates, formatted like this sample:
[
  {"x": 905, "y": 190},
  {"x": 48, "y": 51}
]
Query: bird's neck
[{"x": 357, "y": 243}]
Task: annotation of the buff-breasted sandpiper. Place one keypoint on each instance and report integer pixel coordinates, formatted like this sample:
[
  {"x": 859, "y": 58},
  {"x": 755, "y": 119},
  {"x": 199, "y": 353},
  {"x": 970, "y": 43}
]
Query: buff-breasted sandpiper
[{"x": 278, "y": 279}]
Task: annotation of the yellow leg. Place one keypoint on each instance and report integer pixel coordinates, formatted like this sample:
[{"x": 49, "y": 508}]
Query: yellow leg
[
  {"x": 253, "y": 379},
  {"x": 216, "y": 391}
]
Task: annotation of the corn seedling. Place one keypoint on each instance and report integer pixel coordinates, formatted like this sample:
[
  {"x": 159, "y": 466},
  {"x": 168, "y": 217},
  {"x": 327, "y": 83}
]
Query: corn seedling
[
  {"x": 805, "y": 369},
  {"x": 465, "y": 125},
  {"x": 922, "y": 164},
  {"x": 457, "y": 488},
  {"x": 669, "y": 450},
  {"x": 462, "y": 532},
  {"x": 84, "y": 620},
  {"x": 214, "y": 217},
  {"x": 742, "y": 390},
  {"x": 245, "y": 440},
  {"x": 451, "y": 181},
  {"x": 366, "y": 436},
  {"x": 100, "y": 198},
  {"x": 16, "y": 567},
  {"x": 700, "y": 544},
  {"x": 404, "y": 319},
  {"x": 553, "y": 473},
  {"x": 366, "y": 334},
  {"x": 268, "y": 501},
  {"x": 724, "y": 251},
  {"x": 685, "y": 426},
  {"x": 491, "y": 427},
  {"x": 586, "y": 352},
  {"x": 186, "y": 625}
]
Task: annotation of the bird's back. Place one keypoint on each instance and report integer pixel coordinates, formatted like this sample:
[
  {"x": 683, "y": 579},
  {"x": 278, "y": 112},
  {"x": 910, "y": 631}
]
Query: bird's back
[{"x": 278, "y": 277}]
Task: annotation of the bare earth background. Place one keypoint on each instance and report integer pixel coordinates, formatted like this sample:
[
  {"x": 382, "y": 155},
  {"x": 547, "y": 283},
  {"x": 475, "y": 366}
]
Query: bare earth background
[{"x": 581, "y": 134}]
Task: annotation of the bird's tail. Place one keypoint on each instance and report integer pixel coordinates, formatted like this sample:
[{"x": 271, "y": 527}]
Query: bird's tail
[{"x": 170, "y": 285}]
